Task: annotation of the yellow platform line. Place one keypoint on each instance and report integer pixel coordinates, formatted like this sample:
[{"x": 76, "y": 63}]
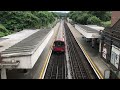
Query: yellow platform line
[
  {"x": 93, "y": 64},
  {"x": 45, "y": 64},
  {"x": 46, "y": 60}
]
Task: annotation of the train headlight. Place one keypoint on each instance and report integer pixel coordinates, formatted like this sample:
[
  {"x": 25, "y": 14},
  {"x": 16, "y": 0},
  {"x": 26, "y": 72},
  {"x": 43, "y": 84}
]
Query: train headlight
[{"x": 13, "y": 61}]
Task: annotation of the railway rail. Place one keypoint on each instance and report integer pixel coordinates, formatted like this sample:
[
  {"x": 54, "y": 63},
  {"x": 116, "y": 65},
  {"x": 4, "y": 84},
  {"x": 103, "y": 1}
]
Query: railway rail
[
  {"x": 80, "y": 67},
  {"x": 57, "y": 67}
]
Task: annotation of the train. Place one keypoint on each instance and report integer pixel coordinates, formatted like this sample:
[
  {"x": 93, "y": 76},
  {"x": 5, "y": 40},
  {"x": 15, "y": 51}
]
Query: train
[{"x": 59, "y": 43}]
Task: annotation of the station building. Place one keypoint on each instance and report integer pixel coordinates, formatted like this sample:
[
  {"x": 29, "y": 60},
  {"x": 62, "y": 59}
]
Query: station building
[{"x": 110, "y": 43}]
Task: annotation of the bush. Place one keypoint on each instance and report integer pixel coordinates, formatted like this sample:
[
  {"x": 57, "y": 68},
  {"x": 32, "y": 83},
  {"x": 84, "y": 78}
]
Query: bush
[
  {"x": 2, "y": 34},
  {"x": 93, "y": 20},
  {"x": 2, "y": 28},
  {"x": 45, "y": 18},
  {"x": 3, "y": 31},
  {"x": 18, "y": 20},
  {"x": 106, "y": 24},
  {"x": 14, "y": 20},
  {"x": 90, "y": 17},
  {"x": 83, "y": 18}
]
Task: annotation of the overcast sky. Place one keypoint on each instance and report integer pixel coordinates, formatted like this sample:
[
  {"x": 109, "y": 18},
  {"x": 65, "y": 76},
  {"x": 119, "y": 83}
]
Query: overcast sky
[{"x": 61, "y": 11}]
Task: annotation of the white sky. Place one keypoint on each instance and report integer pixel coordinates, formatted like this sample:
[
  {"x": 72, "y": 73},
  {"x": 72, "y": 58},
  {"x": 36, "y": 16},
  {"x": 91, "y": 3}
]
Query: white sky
[{"x": 61, "y": 11}]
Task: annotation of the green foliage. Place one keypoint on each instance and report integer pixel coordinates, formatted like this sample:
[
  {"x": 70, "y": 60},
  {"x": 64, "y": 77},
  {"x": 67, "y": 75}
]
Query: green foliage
[
  {"x": 102, "y": 15},
  {"x": 3, "y": 31},
  {"x": 106, "y": 24},
  {"x": 59, "y": 14},
  {"x": 90, "y": 17},
  {"x": 15, "y": 21},
  {"x": 84, "y": 17},
  {"x": 93, "y": 20},
  {"x": 45, "y": 18},
  {"x": 55, "y": 15},
  {"x": 2, "y": 28},
  {"x": 2, "y": 34}
]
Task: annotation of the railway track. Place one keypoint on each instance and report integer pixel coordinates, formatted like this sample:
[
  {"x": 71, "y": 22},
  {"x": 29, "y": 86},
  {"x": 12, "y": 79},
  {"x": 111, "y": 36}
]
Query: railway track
[
  {"x": 80, "y": 67},
  {"x": 57, "y": 67}
]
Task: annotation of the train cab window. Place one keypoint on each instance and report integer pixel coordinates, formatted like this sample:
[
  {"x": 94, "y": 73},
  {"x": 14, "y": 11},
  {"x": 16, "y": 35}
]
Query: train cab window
[{"x": 59, "y": 44}]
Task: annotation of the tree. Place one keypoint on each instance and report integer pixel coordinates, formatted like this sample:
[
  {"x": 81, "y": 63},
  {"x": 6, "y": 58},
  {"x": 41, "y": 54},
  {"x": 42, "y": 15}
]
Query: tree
[
  {"x": 3, "y": 31},
  {"x": 15, "y": 21},
  {"x": 85, "y": 17},
  {"x": 93, "y": 20},
  {"x": 102, "y": 15}
]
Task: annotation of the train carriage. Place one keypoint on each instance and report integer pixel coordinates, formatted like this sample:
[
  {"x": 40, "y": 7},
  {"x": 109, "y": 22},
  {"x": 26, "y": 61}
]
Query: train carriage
[{"x": 59, "y": 43}]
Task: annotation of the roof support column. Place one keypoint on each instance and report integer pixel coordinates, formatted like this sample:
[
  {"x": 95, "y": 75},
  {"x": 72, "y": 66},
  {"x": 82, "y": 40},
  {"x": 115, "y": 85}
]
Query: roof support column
[
  {"x": 94, "y": 40},
  {"x": 3, "y": 73}
]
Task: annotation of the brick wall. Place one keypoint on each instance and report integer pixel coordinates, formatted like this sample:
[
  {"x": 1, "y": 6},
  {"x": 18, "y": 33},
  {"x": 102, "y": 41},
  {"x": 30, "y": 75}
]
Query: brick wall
[{"x": 115, "y": 16}]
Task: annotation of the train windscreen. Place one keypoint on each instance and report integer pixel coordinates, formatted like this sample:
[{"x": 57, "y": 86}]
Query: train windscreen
[{"x": 59, "y": 43}]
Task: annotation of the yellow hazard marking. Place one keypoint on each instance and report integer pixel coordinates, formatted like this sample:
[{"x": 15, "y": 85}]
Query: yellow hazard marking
[
  {"x": 46, "y": 61},
  {"x": 95, "y": 67}
]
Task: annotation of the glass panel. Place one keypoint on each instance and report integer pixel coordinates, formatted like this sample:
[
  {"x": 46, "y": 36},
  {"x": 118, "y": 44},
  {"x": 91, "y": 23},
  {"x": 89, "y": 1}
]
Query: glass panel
[{"x": 59, "y": 43}]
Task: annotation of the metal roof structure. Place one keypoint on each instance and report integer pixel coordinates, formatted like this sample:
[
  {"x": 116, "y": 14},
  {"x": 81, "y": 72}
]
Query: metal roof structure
[
  {"x": 28, "y": 45},
  {"x": 87, "y": 31}
]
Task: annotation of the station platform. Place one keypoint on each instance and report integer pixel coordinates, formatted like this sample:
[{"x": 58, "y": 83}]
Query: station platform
[
  {"x": 38, "y": 70},
  {"x": 27, "y": 51},
  {"x": 92, "y": 54}
]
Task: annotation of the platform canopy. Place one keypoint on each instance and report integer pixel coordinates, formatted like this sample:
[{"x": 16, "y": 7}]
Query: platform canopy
[{"x": 87, "y": 31}]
